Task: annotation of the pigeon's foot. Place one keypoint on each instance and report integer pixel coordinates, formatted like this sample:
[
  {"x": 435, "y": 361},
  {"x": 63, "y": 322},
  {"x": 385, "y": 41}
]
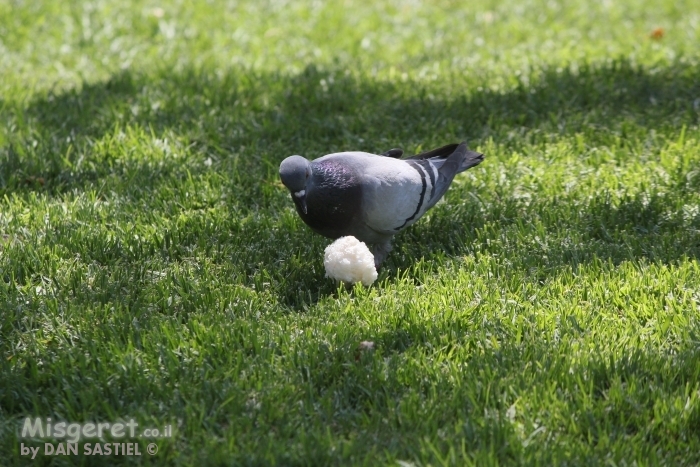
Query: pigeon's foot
[{"x": 380, "y": 252}]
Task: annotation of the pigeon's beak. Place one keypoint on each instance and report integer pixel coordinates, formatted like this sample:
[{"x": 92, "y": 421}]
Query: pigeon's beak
[{"x": 301, "y": 197}]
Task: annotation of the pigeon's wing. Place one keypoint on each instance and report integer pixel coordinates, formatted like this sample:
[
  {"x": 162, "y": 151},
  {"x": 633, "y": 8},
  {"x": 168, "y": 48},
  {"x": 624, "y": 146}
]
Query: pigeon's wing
[
  {"x": 396, "y": 193},
  {"x": 396, "y": 153},
  {"x": 390, "y": 205},
  {"x": 396, "y": 204}
]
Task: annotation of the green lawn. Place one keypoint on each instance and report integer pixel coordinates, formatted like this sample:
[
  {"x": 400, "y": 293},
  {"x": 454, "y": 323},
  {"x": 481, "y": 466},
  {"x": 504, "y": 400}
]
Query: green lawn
[{"x": 152, "y": 265}]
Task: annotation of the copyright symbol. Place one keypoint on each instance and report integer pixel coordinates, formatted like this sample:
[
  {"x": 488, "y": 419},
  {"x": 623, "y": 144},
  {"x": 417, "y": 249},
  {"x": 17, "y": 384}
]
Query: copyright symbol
[{"x": 152, "y": 449}]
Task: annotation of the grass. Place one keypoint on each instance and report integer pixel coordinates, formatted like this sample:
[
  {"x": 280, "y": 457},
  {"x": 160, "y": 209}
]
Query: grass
[{"x": 152, "y": 265}]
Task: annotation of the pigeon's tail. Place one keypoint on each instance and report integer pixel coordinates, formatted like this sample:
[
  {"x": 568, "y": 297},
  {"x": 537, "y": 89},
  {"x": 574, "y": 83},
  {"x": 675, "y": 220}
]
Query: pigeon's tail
[
  {"x": 440, "y": 155},
  {"x": 470, "y": 160}
]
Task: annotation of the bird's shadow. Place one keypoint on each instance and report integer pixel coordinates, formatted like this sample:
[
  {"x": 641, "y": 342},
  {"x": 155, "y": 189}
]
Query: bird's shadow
[{"x": 247, "y": 122}]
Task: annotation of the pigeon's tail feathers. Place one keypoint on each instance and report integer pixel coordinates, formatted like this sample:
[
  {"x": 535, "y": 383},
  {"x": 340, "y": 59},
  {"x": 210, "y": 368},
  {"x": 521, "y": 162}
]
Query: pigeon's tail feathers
[
  {"x": 439, "y": 153},
  {"x": 456, "y": 156},
  {"x": 459, "y": 160},
  {"x": 470, "y": 159}
]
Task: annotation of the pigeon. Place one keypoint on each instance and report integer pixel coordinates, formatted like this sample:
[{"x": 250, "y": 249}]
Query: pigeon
[{"x": 372, "y": 196}]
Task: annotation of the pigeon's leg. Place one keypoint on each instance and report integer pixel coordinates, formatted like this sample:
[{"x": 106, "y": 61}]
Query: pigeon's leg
[{"x": 380, "y": 252}]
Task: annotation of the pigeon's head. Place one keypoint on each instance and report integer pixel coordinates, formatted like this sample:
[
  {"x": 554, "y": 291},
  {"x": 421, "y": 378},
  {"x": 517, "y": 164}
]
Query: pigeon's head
[{"x": 294, "y": 172}]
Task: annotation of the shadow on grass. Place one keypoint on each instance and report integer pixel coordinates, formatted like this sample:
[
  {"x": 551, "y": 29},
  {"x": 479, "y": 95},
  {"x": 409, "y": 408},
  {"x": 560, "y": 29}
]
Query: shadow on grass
[
  {"x": 316, "y": 112},
  {"x": 658, "y": 228},
  {"x": 247, "y": 122}
]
